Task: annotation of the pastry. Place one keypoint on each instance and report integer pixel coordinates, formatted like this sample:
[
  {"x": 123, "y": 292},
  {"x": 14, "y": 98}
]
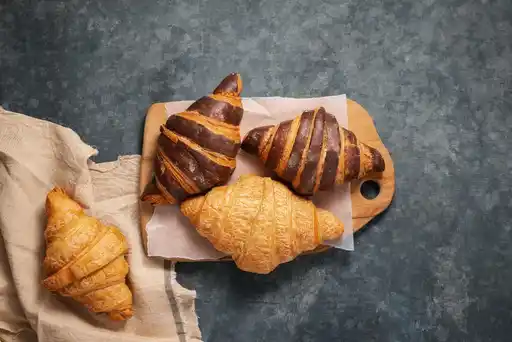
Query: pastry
[
  {"x": 312, "y": 152},
  {"x": 196, "y": 149},
  {"x": 260, "y": 223},
  {"x": 85, "y": 259}
]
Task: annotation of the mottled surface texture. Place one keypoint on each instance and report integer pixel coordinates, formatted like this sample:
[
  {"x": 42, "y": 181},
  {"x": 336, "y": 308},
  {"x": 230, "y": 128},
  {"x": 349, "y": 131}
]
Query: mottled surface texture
[{"x": 437, "y": 78}]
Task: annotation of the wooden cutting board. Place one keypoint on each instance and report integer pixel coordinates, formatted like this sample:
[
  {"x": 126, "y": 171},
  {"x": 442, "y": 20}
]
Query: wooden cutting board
[{"x": 359, "y": 122}]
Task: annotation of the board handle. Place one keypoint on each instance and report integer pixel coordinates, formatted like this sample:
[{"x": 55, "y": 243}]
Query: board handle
[{"x": 365, "y": 209}]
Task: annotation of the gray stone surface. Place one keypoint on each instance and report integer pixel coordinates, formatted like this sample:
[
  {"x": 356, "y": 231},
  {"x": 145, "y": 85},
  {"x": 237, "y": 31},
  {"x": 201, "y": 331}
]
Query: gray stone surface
[{"x": 437, "y": 78}]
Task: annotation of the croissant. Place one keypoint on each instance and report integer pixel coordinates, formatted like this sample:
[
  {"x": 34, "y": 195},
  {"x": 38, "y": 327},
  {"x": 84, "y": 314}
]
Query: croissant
[
  {"x": 260, "y": 222},
  {"x": 312, "y": 152},
  {"x": 85, "y": 259},
  {"x": 196, "y": 148}
]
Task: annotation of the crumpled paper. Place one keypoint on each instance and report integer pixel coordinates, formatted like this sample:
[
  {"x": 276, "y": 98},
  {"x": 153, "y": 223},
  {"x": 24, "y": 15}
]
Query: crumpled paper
[{"x": 170, "y": 235}]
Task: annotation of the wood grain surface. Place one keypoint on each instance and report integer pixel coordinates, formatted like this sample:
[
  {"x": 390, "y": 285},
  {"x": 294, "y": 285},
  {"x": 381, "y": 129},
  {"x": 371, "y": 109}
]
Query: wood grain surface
[{"x": 359, "y": 122}]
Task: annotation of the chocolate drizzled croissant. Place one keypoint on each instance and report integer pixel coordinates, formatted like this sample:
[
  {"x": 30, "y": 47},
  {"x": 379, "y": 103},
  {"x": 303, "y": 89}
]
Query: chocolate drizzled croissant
[
  {"x": 196, "y": 149},
  {"x": 312, "y": 152}
]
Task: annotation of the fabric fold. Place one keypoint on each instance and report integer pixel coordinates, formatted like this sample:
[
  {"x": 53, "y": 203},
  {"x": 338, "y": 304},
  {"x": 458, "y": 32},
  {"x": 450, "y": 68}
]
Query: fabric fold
[{"x": 36, "y": 155}]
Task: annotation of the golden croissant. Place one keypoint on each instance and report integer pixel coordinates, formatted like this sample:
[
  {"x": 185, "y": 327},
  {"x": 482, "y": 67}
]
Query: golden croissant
[
  {"x": 260, "y": 223},
  {"x": 197, "y": 148},
  {"x": 312, "y": 152},
  {"x": 85, "y": 258}
]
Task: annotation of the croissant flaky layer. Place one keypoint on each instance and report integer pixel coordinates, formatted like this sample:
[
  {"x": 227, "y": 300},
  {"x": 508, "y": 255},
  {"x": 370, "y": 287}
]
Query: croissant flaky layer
[
  {"x": 85, "y": 259},
  {"x": 312, "y": 152},
  {"x": 260, "y": 222},
  {"x": 196, "y": 149}
]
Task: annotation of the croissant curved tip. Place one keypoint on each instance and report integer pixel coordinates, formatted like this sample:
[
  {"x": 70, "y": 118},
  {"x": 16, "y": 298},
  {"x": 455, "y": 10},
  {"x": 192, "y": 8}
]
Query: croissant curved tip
[
  {"x": 378, "y": 164},
  {"x": 231, "y": 84},
  {"x": 321, "y": 109},
  {"x": 153, "y": 196},
  {"x": 121, "y": 315},
  {"x": 50, "y": 284},
  {"x": 191, "y": 207},
  {"x": 58, "y": 200},
  {"x": 253, "y": 139},
  {"x": 56, "y": 193},
  {"x": 251, "y": 142},
  {"x": 330, "y": 226},
  {"x": 57, "y": 190}
]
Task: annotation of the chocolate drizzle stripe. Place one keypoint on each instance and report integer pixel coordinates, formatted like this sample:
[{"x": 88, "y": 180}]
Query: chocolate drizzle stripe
[
  {"x": 312, "y": 158},
  {"x": 180, "y": 154},
  {"x": 352, "y": 156},
  {"x": 278, "y": 144},
  {"x": 340, "y": 171},
  {"x": 290, "y": 141},
  {"x": 164, "y": 192},
  {"x": 187, "y": 184},
  {"x": 264, "y": 140},
  {"x": 378, "y": 163},
  {"x": 299, "y": 145},
  {"x": 296, "y": 181},
  {"x": 332, "y": 157},
  {"x": 168, "y": 181},
  {"x": 321, "y": 162},
  {"x": 364, "y": 157},
  {"x": 253, "y": 140},
  {"x": 172, "y": 186},
  {"x": 268, "y": 145},
  {"x": 235, "y": 101},
  {"x": 219, "y": 127},
  {"x": 212, "y": 172},
  {"x": 204, "y": 136},
  {"x": 218, "y": 110},
  {"x": 213, "y": 156}
]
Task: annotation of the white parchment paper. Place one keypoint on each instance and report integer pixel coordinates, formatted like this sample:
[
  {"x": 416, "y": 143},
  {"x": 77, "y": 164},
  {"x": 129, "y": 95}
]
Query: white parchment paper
[{"x": 170, "y": 234}]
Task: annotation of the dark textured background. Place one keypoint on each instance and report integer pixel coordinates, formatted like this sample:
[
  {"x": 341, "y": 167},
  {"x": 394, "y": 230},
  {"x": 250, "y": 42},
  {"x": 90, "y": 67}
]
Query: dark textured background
[{"x": 436, "y": 76}]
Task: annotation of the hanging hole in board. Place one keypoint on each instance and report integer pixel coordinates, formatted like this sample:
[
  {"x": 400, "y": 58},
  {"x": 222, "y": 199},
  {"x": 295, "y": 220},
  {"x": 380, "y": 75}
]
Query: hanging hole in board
[{"x": 370, "y": 189}]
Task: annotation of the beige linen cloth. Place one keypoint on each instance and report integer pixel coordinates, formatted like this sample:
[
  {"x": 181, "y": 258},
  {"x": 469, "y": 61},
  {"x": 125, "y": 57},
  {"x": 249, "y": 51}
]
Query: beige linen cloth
[{"x": 36, "y": 155}]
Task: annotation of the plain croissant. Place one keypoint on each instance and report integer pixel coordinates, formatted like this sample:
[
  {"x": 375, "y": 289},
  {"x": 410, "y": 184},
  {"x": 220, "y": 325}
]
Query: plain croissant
[
  {"x": 196, "y": 149},
  {"x": 260, "y": 222},
  {"x": 312, "y": 152},
  {"x": 85, "y": 258}
]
